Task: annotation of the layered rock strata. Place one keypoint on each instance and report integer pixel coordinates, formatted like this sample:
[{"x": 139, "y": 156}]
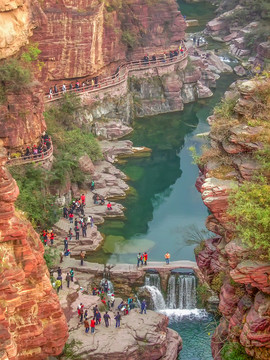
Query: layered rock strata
[
  {"x": 82, "y": 39},
  {"x": 230, "y": 266},
  {"x": 32, "y": 324}
]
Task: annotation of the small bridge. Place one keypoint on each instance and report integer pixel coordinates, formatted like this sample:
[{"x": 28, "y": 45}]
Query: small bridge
[
  {"x": 33, "y": 158},
  {"x": 121, "y": 76},
  {"x": 129, "y": 273}
]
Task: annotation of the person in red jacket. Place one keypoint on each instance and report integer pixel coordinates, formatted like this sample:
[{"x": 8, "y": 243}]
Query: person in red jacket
[
  {"x": 83, "y": 199},
  {"x": 109, "y": 206},
  {"x": 52, "y": 237},
  {"x": 93, "y": 323},
  {"x": 145, "y": 257}
]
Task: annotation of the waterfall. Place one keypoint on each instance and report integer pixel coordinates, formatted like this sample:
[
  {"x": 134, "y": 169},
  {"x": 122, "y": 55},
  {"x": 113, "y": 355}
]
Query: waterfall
[
  {"x": 171, "y": 293},
  {"x": 156, "y": 296},
  {"x": 181, "y": 293},
  {"x": 110, "y": 285},
  {"x": 187, "y": 292},
  {"x": 152, "y": 280}
]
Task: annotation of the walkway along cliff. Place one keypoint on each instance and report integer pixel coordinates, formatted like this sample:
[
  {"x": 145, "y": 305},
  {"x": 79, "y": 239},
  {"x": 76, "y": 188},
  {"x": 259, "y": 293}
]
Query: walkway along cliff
[{"x": 234, "y": 183}]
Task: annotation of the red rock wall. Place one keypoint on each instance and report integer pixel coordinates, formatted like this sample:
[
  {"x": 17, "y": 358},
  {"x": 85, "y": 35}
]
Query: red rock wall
[
  {"x": 244, "y": 281},
  {"x": 21, "y": 119},
  {"x": 32, "y": 324},
  {"x": 83, "y": 38}
]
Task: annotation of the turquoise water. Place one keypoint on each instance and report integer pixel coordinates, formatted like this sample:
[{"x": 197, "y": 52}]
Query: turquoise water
[
  {"x": 163, "y": 204},
  {"x": 201, "y": 11},
  {"x": 196, "y": 333}
]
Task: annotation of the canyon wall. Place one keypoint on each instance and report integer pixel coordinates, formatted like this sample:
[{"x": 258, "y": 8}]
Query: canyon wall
[
  {"x": 237, "y": 271},
  {"x": 82, "y": 39},
  {"x": 32, "y": 324}
]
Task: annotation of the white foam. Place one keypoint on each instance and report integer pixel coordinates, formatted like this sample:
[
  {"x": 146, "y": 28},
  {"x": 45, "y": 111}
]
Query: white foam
[{"x": 178, "y": 314}]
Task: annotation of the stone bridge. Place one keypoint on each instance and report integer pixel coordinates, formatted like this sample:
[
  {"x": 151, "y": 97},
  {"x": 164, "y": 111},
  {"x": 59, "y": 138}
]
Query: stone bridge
[{"x": 128, "y": 276}]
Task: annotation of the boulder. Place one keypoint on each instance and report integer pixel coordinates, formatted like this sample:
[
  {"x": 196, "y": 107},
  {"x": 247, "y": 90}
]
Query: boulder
[
  {"x": 86, "y": 165},
  {"x": 239, "y": 70}
]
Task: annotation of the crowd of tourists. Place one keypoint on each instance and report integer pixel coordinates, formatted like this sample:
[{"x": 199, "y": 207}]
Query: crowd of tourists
[
  {"x": 77, "y": 86},
  {"x": 38, "y": 150}
]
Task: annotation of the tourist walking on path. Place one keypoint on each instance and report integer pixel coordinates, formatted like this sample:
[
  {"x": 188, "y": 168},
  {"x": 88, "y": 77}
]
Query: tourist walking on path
[
  {"x": 81, "y": 314},
  {"x": 71, "y": 216},
  {"x": 143, "y": 307},
  {"x": 83, "y": 199},
  {"x": 93, "y": 323},
  {"x": 85, "y": 314},
  {"x": 92, "y": 185},
  {"x": 84, "y": 228},
  {"x": 106, "y": 318},
  {"x": 71, "y": 274},
  {"x": 86, "y": 325},
  {"x": 58, "y": 285},
  {"x": 52, "y": 237},
  {"x": 70, "y": 234},
  {"x": 117, "y": 319},
  {"x": 68, "y": 279},
  {"x": 82, "y": 255},
  {"x": 66, "y": 244},
  {"x": 167, "y": 258},
  {"x": 98, "y": 317},
  {"x": 91, "y": 221}
]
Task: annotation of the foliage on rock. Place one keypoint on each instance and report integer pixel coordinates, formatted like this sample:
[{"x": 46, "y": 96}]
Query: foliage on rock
[{"x": 234, "y": 351}]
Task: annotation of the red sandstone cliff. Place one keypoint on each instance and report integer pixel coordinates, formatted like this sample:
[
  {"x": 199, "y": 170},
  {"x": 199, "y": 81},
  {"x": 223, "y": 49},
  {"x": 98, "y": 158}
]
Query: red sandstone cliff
[
  {"x": 227, "y": 263},
  {"x": 32, "y": 324},
  {"x": 83, "y": 39}
]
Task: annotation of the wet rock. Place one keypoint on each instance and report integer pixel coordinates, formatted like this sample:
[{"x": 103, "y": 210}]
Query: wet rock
[
  {"x": 239, "y": 70},
  {"x": 111, "y": 130}
]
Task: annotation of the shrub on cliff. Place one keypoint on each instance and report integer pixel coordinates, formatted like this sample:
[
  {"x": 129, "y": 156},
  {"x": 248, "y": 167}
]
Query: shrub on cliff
[
  {"x": 34, "y": 199},
  {"x": 234, "y": 351},
  {"x": 13, "y": 77},
  {"x": 250, "y": 207}
]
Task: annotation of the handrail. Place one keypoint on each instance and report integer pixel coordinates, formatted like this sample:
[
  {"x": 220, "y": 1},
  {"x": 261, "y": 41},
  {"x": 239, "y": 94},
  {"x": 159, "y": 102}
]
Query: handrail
[
  {"x": 31, "y": 158},
  {"x": 122, "y": 75}
]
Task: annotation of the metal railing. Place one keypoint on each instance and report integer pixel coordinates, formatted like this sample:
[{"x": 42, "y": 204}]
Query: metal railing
[
  {"x": 33, "y": 158},
  {"x": 122, "y": 75}
]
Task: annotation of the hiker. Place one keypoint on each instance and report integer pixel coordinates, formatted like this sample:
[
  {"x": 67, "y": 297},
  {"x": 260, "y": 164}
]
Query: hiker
[
  {"x": 59, "y": 277},
  {"x": 81, "y": 314},
  {"x": 194, "y": 40},
  {"x": 145, "y": 257},
  {"x": 154, "y": 58},
  {"x": 117, "y": 319},
  {"x": 164, "y": 57},
  {"x": 93, "y": 323},
  {"x": 77, "y": 232},
  {"x": 98, "y": 318},
  {"x": 65, "y": 213},
  {"x": 52, "y": 237},
  {"x": 55, "y": 89},
  {"x": 59, "y": 271},
  {"x": 50, "y": 93},
  {"x": 61, "y": 256},
  {"x": 143, "y": 307},
  {"x": 82, "y": 255},
  {"x": 70, "y": 86},
  {"x": 71, "y": 217},
  {"x": 85, "y": 314},
  {"x": 109, "y": 206},
  {"x": 58, "y": 285},
  {"x": 106, "y": 318},
  {"x": 66, "y": 244},
  {"x": 83, "y": 199},
  {"x": 106, "y": 287},
  {"x": 84, "y": 228},
  {"x": 167, "y": 258},
  {"x": 68, "y": 279},
  {"x": 138, "y": 259},
  {"x": 64, "y": 89},
  {"x": 70, "y": 234},
  {"x": 92, "y": 185},
  {"x": 71, "y": 274},
  {"x": 95, "y": 310},
  {"x": 86, "y": 325},
  {"x": 91, "y": 221}
]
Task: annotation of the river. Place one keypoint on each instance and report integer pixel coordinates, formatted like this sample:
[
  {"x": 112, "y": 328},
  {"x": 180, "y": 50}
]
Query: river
[{"x": 163, "y": 208}]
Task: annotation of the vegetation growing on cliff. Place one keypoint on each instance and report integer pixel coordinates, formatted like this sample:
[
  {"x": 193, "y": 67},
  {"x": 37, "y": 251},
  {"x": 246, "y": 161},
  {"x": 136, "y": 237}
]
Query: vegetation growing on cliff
[{"x": 234, "y": 351}]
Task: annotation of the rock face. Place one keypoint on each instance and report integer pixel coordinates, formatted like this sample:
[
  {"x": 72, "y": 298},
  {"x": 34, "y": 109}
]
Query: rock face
[
  {"x": 16, "y": 25},
  {"x": 227, "y": 264},
  {"x": 81, "y": 39},
  {"x": 21, "y": 119},
  {"x": 32, "y": 324}
]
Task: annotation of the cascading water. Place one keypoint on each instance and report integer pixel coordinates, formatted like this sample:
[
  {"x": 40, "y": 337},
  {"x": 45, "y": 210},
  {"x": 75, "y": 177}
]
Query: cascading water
[
  {"x": 171, "y": 293},
  {"x": 187, "y": 292},
  {"x": 152, "y": 285}
]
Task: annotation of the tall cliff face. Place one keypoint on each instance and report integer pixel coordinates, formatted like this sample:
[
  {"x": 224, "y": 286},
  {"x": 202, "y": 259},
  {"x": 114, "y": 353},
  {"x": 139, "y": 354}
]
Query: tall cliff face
[
  {"x": 32, "y": 324},
  {"x": 232, "y": 267},
  {"x": 81, "y": 39}
]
